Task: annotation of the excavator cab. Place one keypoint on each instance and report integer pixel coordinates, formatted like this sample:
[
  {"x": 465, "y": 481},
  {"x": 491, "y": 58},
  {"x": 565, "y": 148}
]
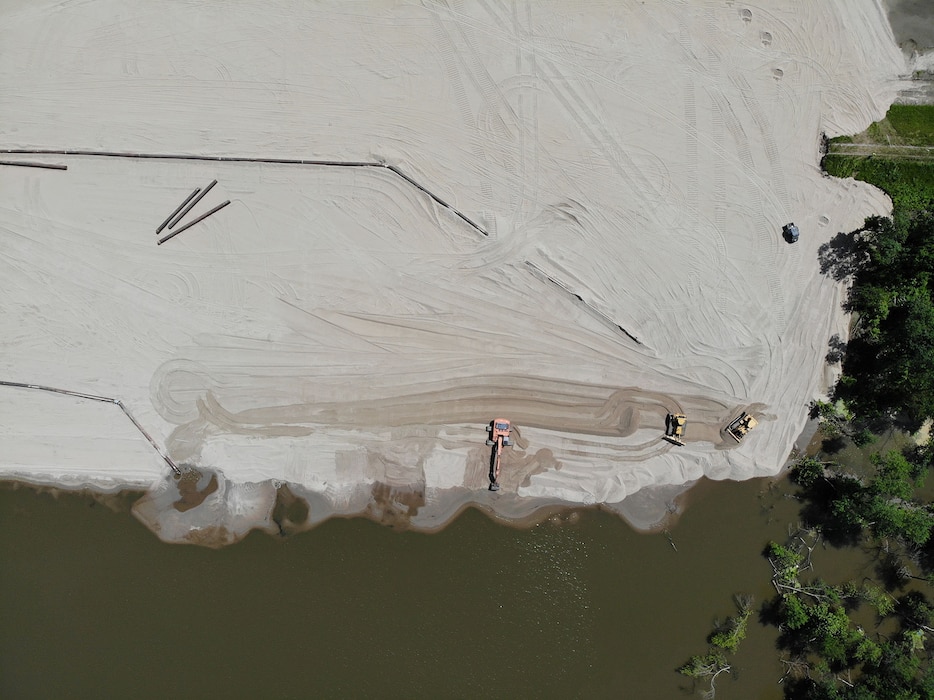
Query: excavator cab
[{"x": 499, "y": 427}]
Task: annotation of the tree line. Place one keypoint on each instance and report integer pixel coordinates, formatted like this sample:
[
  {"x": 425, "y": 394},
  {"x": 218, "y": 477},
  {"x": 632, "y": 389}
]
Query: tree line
[{"x": 872, "y": 638}]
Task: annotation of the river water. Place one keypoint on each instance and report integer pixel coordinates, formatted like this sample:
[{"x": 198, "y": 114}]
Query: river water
[{"x": 94, "y": 605}]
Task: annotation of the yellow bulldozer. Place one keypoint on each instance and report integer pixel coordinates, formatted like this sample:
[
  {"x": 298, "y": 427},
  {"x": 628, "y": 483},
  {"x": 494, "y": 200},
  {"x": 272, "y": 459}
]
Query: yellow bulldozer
[
  {"x": 741, "y": 425},
  {"x": 674, "y": 428}
]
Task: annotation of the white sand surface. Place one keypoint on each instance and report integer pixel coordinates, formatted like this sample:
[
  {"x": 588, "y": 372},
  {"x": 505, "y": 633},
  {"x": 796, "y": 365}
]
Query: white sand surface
[{"x": 338, "y": 330}]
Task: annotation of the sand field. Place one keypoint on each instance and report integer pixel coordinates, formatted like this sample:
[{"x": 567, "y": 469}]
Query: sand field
[{"x": 602, "y": 245}]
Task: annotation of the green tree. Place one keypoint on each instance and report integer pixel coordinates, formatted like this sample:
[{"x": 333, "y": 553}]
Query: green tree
[
  {"x": 895, "y": 475},
  {"x": 889, "y": 361},
  {"x": 806, "y": 472},
  {"x": 728, "y": 635}
]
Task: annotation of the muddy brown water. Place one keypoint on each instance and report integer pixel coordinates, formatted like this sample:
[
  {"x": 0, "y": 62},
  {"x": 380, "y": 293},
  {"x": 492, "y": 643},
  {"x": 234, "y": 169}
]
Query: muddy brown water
[
  {"x": 912, "y": 22},
  {"x": 579, "y": 606}
]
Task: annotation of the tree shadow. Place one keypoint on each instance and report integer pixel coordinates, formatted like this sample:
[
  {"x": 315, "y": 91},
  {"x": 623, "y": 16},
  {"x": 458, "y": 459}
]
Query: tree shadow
[
  {"x": 907, "y": 424},
  {"x": 837, "y": 350},
  {"x": 891, "y": 573},
  {"x": 864, "y": 386},
  {"x": 914, "y": 610},
  {"x": 833, "y": 445},
  {"x": 770, "y": 612},
  {"x": 801, "y": 689},
  {"x": 818, "y": 510},
  {"x": 837, "y": 256}
]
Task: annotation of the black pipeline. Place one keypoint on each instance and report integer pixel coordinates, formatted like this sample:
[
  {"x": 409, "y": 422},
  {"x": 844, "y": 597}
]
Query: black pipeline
[{"x": 200, "y": 218}]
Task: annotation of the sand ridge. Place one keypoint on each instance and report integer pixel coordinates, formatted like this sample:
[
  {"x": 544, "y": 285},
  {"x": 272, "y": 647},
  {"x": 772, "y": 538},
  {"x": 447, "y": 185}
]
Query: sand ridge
[{"x": 339, "y": 330}]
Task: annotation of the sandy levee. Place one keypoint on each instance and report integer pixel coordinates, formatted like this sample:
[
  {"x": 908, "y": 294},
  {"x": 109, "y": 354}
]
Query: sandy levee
[{"x": 599, "y": 244}]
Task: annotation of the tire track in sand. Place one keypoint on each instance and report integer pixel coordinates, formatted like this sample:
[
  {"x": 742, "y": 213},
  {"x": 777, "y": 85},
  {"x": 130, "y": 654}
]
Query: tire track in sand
[
  {"x": 449, "y": 59},
  {"x": 602, "y": 140},
  {"x": 531, "y": 402},
  {"x": 755, "y": 208},
  {"x": 493, "y": 99}
]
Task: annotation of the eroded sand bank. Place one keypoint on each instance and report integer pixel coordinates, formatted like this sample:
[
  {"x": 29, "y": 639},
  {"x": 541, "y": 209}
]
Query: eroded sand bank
[{"x": 337, "y": 330}]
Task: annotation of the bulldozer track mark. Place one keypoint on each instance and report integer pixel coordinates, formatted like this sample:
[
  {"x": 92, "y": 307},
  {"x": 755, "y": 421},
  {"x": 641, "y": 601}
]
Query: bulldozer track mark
[
  {"x": 769, "y": 240},
  {"x": 449, "y": 59},
  {"x": 605, "y": 143},
  {"x": 728, "y": 117},
  {"x": 763, "y": 226},
  {"x": 573, "y": 408},
  {"x": 533, "y": 70},
  {"x": 713, "y": 29},
  {"x": 481, "y": 78},
  {"x": 591, "y": 75},
  {"x": 526, "y": 112},
  {"x": 691, "y": 150},
  {"x": 719, "y": 184},
  {"x": 493, "y": 103},
  {"x": 768, "y": 139}
]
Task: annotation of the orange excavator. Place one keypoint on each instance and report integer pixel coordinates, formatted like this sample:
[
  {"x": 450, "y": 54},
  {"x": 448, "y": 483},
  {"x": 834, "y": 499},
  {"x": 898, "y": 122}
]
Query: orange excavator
[{"x": 499, "y": 431}]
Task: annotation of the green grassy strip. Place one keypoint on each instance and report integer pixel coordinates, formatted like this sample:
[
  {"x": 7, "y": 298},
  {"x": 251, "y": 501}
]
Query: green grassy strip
[
  {"x": 910, "y": 184},
  {"x": 903, "y": 125},
  {"x": 914, "y": 124}
]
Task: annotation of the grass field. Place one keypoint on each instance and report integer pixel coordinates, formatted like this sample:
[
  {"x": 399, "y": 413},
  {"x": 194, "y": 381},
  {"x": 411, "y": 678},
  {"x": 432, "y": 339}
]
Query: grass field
[
  {"x": 896, "y": 154},
  {"x": 912, "y": 124},
  {"x": 903, "y": 125},
  {"x": 910, "y": 184}
]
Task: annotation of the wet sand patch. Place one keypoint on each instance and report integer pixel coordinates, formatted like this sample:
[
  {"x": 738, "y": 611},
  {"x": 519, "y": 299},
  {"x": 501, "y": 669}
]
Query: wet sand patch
[
  {"x": 290, "y": 514},
  {"x": 191, "y": 489}
]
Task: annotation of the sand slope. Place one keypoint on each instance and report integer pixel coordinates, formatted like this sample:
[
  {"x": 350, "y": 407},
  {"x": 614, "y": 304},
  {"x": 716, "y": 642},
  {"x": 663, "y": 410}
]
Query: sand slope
[{"x": 337, "y": 329}]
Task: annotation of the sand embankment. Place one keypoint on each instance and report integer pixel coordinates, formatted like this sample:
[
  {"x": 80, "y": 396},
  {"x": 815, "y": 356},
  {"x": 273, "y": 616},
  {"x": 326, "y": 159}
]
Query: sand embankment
[{"x": 338, "y": 330}]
